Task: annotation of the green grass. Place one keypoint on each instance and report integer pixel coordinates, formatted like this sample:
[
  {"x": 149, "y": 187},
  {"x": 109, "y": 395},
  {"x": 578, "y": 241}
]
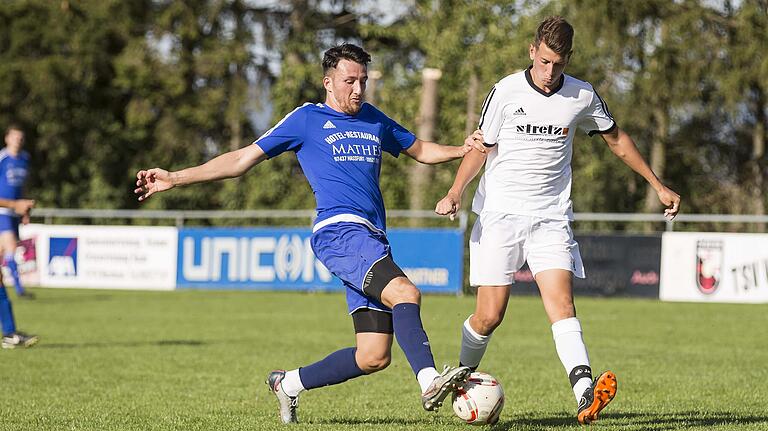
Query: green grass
[{"x": 196, "y": 360}]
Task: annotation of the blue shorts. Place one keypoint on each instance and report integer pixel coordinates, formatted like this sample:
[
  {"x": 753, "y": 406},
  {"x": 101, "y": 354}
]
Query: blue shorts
[
  {"x": 9, "y": 223},
  {"x": 349, "y": 250}
]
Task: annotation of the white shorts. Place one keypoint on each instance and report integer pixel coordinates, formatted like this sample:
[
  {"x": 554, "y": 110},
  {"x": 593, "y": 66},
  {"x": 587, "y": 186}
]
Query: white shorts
[{"x": 501, "y": 243}]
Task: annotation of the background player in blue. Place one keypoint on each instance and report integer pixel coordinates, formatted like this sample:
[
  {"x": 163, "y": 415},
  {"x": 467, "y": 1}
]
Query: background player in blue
[
  {"x": 339, "y": 145},
  {"x": 13, "y": 338},
  {"x": 14, "y": 165}
]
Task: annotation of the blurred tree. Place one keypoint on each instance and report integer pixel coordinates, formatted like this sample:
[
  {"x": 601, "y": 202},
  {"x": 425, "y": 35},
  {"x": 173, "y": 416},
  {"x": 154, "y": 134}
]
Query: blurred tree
[
  {"x": 742, "y": 72},
  {"x": 187, "y": 83},
  {"x": 105, "y": 87},
  {"x": 641, "y": 59},
  {"x": 56, "y": 79}
]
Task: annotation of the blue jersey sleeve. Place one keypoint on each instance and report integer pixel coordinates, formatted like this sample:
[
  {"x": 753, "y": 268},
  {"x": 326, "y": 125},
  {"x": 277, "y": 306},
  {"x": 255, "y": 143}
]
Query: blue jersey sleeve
[
  {"x": 396, "y": 138},
  {"x": 286, "y": 135}
]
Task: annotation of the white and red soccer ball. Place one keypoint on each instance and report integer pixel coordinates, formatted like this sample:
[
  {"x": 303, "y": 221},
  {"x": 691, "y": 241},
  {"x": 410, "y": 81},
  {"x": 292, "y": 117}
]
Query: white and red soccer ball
[{"x": 480, "y": 401}]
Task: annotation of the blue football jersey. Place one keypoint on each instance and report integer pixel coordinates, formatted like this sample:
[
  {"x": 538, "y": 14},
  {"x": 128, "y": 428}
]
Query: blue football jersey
[
  {"x": 340, "y": 155},
  {"x": 13, "y": 174}
]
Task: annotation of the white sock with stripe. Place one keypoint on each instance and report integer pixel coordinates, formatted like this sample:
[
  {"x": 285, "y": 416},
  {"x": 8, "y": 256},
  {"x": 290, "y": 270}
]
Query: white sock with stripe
[{"x": 572, "y": 352}]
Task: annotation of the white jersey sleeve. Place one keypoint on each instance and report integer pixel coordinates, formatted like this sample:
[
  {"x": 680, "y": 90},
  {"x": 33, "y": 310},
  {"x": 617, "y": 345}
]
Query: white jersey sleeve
[
  {"x": 492, "y": 117},
  {"x": 596, "y": 118}
]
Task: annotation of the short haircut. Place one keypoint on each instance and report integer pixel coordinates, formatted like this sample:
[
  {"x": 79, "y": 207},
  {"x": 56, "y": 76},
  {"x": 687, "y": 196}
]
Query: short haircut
[
  {"x": 13, "y": 126},
  {"x": 557, "y": 34},
  {"x": 346, "y": 51}
]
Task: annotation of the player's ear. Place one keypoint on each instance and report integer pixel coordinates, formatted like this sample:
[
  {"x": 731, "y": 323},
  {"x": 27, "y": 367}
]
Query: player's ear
[
  {"x": 531, "y": 51},
  {"x": 327, "y": 84}
]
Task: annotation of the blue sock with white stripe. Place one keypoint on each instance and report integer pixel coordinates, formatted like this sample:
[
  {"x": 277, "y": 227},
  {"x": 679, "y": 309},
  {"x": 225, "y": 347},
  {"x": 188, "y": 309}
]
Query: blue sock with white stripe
[
  {"x": 10, "y": 263},
  {"x": 335, "y": 368},
  {"x": 410, "y": 335},
  {"x": 6, "y": 313}
]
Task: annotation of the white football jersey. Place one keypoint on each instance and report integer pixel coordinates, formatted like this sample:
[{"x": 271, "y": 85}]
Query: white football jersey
[{"x": 529, "y": 170}]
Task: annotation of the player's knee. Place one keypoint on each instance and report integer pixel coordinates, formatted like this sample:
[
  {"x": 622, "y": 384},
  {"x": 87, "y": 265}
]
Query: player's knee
[
  {"x": 371, "y": 362},
  {"x": 400, "y": 291},
  {"x": 487, "y": 321}
]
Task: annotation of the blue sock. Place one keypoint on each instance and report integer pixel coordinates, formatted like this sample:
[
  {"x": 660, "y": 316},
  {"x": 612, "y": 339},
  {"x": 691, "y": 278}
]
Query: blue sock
[
  {"x": 337, "y": 367},
  {"x": 6, "y": 313},
  {"x": 10, "y": 262},
  {"x": 411, "y": 336}
]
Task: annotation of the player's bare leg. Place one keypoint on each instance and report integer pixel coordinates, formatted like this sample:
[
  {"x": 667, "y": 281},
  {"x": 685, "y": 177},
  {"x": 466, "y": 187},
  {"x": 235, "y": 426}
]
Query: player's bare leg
[
  {"x": 490, "y": 308},
  {"x": 556, "y": 290},
  {"x": 374, "y": 351}
]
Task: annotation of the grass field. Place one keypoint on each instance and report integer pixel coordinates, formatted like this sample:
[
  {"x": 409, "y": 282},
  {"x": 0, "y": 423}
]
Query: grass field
[{"x": 196, "y": 360}]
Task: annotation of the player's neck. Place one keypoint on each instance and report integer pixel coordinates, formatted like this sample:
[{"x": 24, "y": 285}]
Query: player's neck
[
  {"x": 329, "y": 102},
  {"x": 13, "y": 152}
]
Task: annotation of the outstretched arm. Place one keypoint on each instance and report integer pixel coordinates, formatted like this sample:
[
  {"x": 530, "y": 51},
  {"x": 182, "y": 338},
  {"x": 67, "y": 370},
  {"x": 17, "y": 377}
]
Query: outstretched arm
[
  {"x": 227, "y": 165},
  {"x": 469, "y": 168},
  {"x": 432, "y": 153},
  {"x": 624, "y": 148}
]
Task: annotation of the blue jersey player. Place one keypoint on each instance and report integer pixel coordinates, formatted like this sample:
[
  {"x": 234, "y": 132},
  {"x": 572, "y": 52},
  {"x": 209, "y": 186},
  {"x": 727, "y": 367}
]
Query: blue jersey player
[
  {"x": 339, "y": 145},
  {"x": 14, "y": 165},
  {"x": 13, "y": 338}
]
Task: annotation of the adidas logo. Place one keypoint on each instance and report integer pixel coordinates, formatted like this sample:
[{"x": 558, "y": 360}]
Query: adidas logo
[
  {"x": 519, "y": 111},
  {"x": 329, "y": 125}
]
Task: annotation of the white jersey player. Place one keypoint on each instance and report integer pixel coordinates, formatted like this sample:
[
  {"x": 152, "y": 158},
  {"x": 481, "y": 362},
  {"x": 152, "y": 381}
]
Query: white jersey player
[{"x": 523, "y": 203}]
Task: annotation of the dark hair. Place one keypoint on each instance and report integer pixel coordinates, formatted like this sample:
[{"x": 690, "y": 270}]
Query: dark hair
[
  {"x": 557, "y": 34},
  {"x": 346, "y": 51},
  {"x": 13, "y": 126}
]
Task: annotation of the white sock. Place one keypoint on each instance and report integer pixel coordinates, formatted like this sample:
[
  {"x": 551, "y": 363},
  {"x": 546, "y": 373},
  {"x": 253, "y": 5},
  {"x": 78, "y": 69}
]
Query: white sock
[
  {"x": 425, "y": 376},
  {"x": 571, "y": 350},
  {"x": 473, "y": 345},
  {"x": 291, "y": 383}
]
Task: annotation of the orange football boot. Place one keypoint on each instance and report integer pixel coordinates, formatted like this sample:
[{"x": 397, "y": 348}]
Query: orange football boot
[{"x": 596, "y": 397}]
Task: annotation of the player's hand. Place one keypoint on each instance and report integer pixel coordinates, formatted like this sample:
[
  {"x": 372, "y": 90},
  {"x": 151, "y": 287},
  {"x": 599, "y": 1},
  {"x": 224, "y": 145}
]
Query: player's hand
[
  {"x": 474, "y": 141},
  {"x": 23, "y": 207},
  {"x": 449, "y": 205},
  {"x": 671, "y": 200},
  {"x": 152, "y": 181}
]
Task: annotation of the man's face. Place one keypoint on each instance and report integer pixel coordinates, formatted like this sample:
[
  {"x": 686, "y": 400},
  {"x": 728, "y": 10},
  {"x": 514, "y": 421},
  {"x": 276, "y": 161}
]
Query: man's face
[
  {"x": 345, "y": 86},
  {"x": 548, "y": 66},
  {"x": 14, "y": 139}
]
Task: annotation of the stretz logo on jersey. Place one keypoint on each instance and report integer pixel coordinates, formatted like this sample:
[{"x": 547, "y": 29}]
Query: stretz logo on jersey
[
  {"x": 62, "y": 254},
  {"x": 709, "y": 262},
  {"x": 546, "y": 130}
]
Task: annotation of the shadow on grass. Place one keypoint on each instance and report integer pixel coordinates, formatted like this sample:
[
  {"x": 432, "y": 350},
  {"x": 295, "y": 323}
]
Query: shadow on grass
[
  {"x": 66, "y": 299},
  {"x": 370, "y": 421},
  {"x": 643, "y": 421},
  {"x": 121, "y": 344}
]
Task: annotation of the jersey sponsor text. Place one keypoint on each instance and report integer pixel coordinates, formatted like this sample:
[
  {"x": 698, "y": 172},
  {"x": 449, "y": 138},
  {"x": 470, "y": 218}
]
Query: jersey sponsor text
[{"x": 530, "y": 129}]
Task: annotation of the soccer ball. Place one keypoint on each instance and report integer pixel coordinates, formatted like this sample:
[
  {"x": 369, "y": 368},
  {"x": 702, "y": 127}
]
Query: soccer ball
[{"x": 480, "y": 401}]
